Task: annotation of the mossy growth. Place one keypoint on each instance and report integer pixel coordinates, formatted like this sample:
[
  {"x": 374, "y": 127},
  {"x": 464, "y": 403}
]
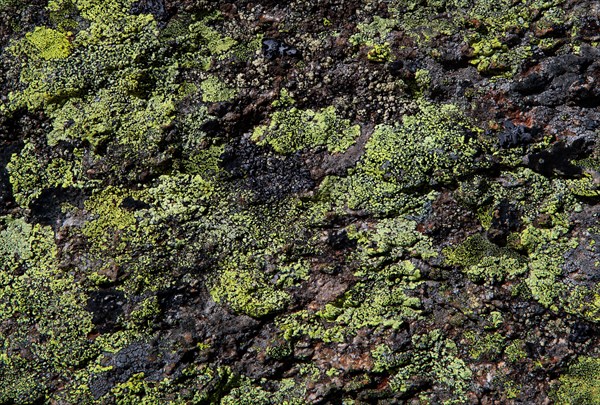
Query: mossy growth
[
  {"x": 211, "y": 385},
  {"x": 581, "y": 383},
  {"x": 139, "y": 124},
  {"x": 292, "y": 129},
  {"x": 247, "y": 291},
  {"x": 116, "y": 92}
]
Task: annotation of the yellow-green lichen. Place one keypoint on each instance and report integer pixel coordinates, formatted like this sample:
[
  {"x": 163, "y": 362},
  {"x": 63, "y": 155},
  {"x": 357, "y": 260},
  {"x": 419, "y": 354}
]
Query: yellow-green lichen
[
  {"x": 434, "y": 146},
  {"x": 292, "y": 130},
  {"x": 48, "y": 43},
  {"x": 374, "y": 33},
  {"x": 45, "y": 305},
  {"x": 483, "y": 261},
  {"x": 214, "y": 90},
  {"x": 247, "y": 291},
  {"x": 432, "y": 357},
  {"x": 29, "y": 176},
  {"x": 581, "y": 383},
  {"x": 515, "y": 351},
  {"x": 487, "y": 346}
]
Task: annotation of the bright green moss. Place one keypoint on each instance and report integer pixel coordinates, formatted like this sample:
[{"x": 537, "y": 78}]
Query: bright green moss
[
  {"x": 292, "y": 130},
  {"x": 247, "y": 291},
  {"x": 144, "y": 314},
  {"x": 581, "y": 384},
  {"x": 213, "y": 40},
  {"x": 485, "y": 25}
]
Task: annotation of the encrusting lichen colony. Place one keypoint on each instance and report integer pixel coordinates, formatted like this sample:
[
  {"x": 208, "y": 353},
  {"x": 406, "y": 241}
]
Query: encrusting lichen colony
[{"x": 188, "y": 218}]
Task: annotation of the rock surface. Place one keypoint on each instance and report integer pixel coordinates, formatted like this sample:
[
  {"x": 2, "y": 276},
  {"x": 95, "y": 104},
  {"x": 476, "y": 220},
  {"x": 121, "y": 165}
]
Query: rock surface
[{"x": 328, "y": 202}]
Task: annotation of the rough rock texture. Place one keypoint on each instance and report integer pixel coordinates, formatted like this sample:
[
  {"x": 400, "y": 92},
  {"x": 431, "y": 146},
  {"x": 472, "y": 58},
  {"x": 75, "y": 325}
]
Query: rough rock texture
[{"x": 333, "y": 201}]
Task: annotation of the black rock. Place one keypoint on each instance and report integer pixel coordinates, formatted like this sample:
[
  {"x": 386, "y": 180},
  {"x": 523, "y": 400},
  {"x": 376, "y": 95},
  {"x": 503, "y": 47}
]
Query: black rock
[
  {"x": 274, "y": 48},
  {"x": 515, "y": 135}
]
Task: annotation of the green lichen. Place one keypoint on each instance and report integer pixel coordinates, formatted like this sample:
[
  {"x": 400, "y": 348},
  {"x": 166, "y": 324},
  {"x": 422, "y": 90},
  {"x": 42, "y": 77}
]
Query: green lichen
[
  {"x": 292, "y": 130},
  {"x": 247, "y": 291},
  {"x": 581, "y": 383},
  {"x": 29, "y": 176},
  {"x": 486, "y": 346},
  {"x": 515, "y": 351},
  {"x": 288, "y": 392},
  {"x": 483, "y": 261},
  {"x": 373, "y": 33},
  {"x": 48, "y": 43},
  {"x": 46, "y": 307},
  {"x": 379, "y": 302},
  {"x": 213, "y": 90},
  {"x": 380, "y": 53},
  {"x": 432, "y": 357},
  {"x": 434, "y": 146}
]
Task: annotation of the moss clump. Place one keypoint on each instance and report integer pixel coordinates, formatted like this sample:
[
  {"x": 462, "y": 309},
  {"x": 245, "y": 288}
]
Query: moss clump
[
  {"x": 292, "y": 130},
  {"x": 581, "y": 383}
]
